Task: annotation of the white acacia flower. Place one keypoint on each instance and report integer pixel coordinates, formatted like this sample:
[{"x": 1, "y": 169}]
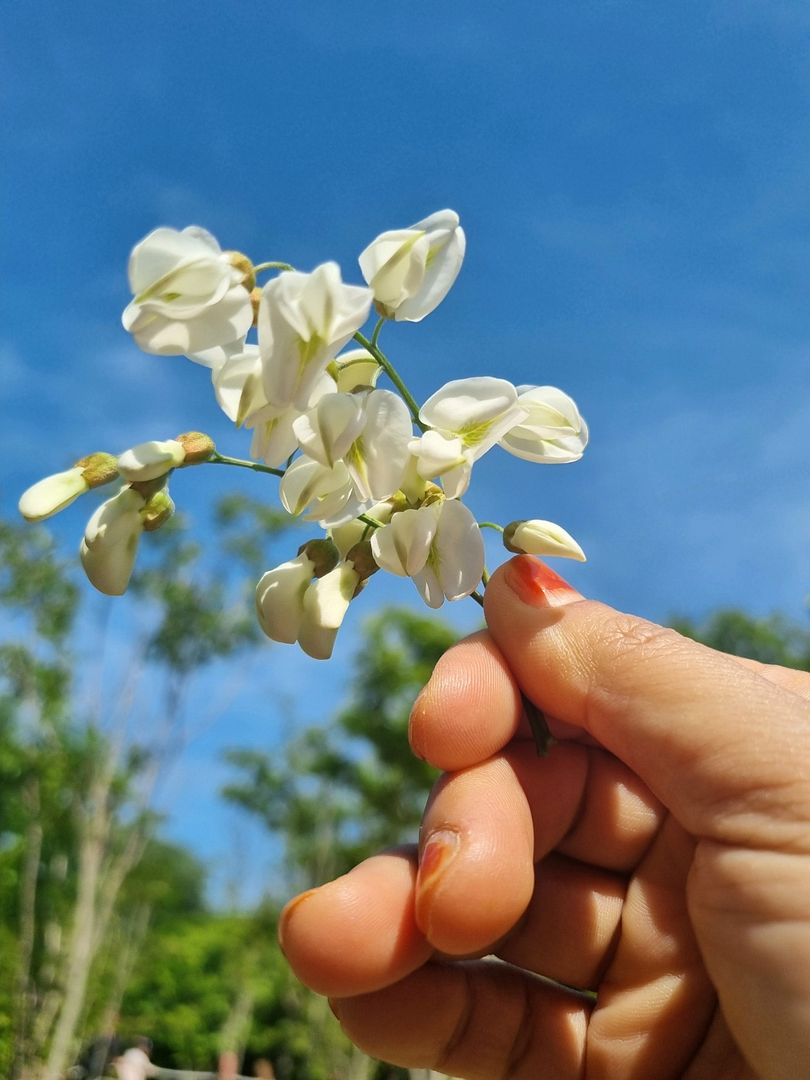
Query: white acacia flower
[
  {"x": 149, "y": 460},
  {"x": 188, "y": 297},
  {"x": 325, "y": 604},
  {"x": 411, "y": 270},
  {"x": 439, "y": 546},
  {"x": 280, "y": 598},
  {"x": 369, "y": 431},
  {"x": 466, "y": 417},
  {"x": 304, "y": 322},
  {"x": 538, "y": 537},
  {"x": 551, "y": 432},
  {"x": 52, "y": 494},
  {"x": 319, "y": 493},
  {"x": 111, "y": 539}
]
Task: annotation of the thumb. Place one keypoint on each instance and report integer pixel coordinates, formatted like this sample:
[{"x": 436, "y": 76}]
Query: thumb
[{"x": 725, "y": 749}]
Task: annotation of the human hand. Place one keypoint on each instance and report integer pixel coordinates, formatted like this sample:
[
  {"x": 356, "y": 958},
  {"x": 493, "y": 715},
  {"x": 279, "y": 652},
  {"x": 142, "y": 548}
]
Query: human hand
[{"x": 659, "y": 856}]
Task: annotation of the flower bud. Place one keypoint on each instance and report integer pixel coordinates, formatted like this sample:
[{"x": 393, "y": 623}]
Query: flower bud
[
  {"x": 98, "y": 468},
  {"x": 362, "y": 559},
  {"x": 52, "y": 494},
  {"x": 197, "y": 447},
  {"x": 323, "y": 554},
  {"x": 157, "y": 511},
  {"x": 536, "y": 537},
  {"x": 150, "y": 460}
]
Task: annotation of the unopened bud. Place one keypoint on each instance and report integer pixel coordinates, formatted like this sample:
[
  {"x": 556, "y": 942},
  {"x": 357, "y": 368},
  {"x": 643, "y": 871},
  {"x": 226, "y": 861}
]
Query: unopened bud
[
  {"x": 537, "y": 537},
  {"x": 323, "y": 554},
  {"x": 244, "y": 266},
  {"x": 98, "y": 468},
  {"x": 197, "y": 446},
  {"x": 157, "y": 511},
  {"x": 362, "y": 560}
]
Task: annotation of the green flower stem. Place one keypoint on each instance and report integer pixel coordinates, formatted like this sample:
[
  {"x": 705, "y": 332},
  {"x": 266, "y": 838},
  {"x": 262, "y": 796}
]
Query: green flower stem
[
  {"x": 392, "y": 373},
  {"x": 485, "y": 577},
  {"x": 367, "y": 519},
  {"x": 221, "y": 459},
  {"x": 376, "y": 332},
  {"x": 543, "y": 739},
  {"x": 490, "y": 525},
  {"x": 477, "y": 597},
  {"x": 272, "y": 266}
]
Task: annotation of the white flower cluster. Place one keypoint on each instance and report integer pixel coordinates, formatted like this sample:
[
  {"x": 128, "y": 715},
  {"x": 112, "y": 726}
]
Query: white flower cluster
[{"x": 382, "y": 476}]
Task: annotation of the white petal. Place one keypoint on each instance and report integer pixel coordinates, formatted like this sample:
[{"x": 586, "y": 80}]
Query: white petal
[
  {"x": 116, "y": 518},
  {"x": 459, "y": 548},
  {"x": 273, "y": 436},
  {"x": 356, "y": 368},
  {"x": 442, "y": 270},
  {"x": 280, "y": 598},
  {"x": 163, "y": 250},
  {"x": 394, "y": 265},
  {"x": 326, "y": 432},
  {"x": 436, "y": 454},
  {"x": 428, "y": 587},
  {"x": 109, "y": 566},
  {"x": 378, "y": 459},
  {"x": 456, "y": 481},
  {"x": 149, "y": 460},
  {"x": 402, "y": 547},
  {"x": 464, "y": 405},
  {"x": 226, "y": 321},
  {"x": 52, "y": 494},
  {"x": 238, "y": 386},
  {"x": 216, "y": 356},
  {"x": 326, "y": 602},
  {"x": 308, "y": 480}
]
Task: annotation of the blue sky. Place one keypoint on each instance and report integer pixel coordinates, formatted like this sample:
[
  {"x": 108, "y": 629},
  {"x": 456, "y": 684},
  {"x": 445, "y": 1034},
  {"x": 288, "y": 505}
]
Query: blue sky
[{"x": 634, "y": 180}]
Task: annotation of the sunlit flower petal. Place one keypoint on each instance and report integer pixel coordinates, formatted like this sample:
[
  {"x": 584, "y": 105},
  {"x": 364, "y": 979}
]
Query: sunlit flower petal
[
  {"x": 280, "y": 598},
  {"x": 110, "y": 542},
  {"x": 304, "y": 321},
  {"x": 402, "y": 547},
  {"x": 356, "y": 368},
  {"x": 149, "y": 460},
  {"x": 325, "y": 604},
  {"x": 52, "y": 494},
  {"x": 188, "y": 296},
  {"x": 552, "y": 432},
  {"x": 411, "y": 270}
]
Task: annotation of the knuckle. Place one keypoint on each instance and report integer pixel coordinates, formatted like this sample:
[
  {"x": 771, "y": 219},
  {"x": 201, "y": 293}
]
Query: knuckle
[{"x": 626, "y": 640}]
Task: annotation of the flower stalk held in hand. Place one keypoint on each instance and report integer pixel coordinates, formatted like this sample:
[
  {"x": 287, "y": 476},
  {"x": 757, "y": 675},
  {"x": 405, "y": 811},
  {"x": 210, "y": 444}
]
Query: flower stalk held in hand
[{"x": 381, "y": 476}]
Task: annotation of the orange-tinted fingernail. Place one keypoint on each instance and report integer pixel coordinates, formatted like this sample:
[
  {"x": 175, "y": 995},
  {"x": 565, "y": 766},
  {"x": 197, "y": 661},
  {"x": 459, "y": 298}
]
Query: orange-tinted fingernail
[
  {"x": 439, "y": 852},
  {"x": 537, "y": 584},
  {"x": 286, "y": 914}
]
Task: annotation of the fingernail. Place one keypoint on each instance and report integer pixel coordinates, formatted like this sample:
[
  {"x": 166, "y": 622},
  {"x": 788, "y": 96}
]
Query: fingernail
[
  {"x": 537, "y": 584},
  {"x": 286, "y": 914},
  {"x": 437, "y": 853}
]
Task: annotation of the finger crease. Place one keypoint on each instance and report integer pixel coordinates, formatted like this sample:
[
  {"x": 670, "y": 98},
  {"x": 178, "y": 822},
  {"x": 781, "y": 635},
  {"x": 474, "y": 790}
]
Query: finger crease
[
  {"x": 521, "y": 1044},
  {"x": 463, "y": 1023}
]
